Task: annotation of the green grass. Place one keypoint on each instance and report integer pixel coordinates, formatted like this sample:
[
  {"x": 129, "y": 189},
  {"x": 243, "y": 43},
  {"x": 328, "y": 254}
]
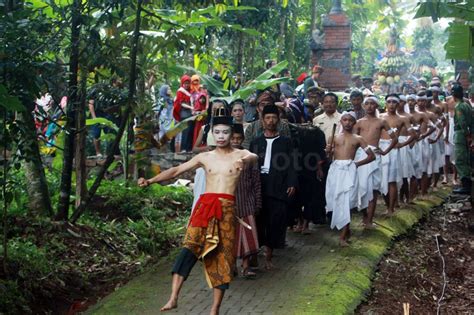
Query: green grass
[{"x": 349, "y": 283}]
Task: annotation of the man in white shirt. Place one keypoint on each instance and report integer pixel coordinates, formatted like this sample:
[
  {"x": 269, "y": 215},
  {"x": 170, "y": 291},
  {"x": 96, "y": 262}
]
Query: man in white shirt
[{"x": 326, "y": 121}]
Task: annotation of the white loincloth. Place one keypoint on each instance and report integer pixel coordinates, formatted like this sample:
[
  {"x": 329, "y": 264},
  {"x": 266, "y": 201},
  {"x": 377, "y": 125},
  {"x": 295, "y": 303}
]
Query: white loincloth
[
  {"x": 433, "y": 161},
  {"x": 449, "y": 147},
  {"x": 341, "y": 192},
  {"x": 369, "y": 178},
  {"x": 442, "y": 153},
  {"x": 417, "y": 160},
  {"x": 425, "y": 148},
  {"x": 406, "y": 159},
  {"x": 391, "y": 167}
]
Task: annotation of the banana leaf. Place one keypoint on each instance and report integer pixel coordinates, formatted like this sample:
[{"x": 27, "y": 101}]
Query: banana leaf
[
  {"x": 459, "y": 44},
  {"x": 212, "y": 85},
  {"x": 182, "y": 125},
  {"x": 101, "y": 121},
  {"x": 253, "y": 86},
  {"x": 437, "y": 10},
  {"x": 276, "y": 69}
]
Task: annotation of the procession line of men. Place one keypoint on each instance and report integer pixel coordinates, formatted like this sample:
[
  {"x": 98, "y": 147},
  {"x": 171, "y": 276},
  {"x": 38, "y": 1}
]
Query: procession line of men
[{"x": 399, "y": 151}]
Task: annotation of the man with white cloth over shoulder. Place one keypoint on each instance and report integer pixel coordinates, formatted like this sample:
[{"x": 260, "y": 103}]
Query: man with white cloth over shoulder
[
  {"x": 370, "y": 175},
  {"x": 392, "y": 173},
  {"x": 407, "y": 136},
  {"x": 341, "y": 185}
]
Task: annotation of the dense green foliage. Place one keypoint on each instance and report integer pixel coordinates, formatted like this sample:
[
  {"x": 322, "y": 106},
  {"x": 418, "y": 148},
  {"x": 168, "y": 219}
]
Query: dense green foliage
[{"x": 119, "y": 236}]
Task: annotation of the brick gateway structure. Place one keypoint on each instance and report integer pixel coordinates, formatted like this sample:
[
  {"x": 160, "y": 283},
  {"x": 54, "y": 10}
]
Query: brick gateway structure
[{"x": 334, "y": 53}]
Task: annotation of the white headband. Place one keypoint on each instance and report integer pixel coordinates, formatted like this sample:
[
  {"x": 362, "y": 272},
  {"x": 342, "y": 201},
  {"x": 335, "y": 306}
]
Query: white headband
[
  {"x": 393, "y": 98},
  {"x": 371, "y": 98},
  {"x": 352, "y": 114},
  {"x": 403, "y": 98},
  {"x": 435, "y": 88},
  {"x": 411, "y": 96},
  {"x": 421, "y": 98}
]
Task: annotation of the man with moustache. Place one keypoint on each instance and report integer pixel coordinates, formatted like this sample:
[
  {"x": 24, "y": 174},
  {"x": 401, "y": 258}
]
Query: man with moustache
[{"x": 279, "y": 182}]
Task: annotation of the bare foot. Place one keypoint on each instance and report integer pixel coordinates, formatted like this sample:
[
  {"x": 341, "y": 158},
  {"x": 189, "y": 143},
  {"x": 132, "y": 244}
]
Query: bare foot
[
  {"x": 269, "y": 265},
  {"x": 306, "y": 231},
  {"x": 370, "y": 226},
  {"x": 343, "y": 243},
  {"x": 214, "y": 311},
  {"x": 170, "y": 305},
  {"x": 298, "y": 229}
]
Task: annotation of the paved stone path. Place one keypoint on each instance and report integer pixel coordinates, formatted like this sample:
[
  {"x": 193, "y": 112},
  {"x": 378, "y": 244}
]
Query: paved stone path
[{"x": 309, "y": 270}]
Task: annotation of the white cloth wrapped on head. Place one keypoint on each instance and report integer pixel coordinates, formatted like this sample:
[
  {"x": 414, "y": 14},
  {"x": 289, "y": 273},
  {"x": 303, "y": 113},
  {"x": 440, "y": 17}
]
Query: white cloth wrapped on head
[
  {"x": 369, "y": 178},
  {"x": 350, "y": 113},
  {"x": 406, "y": 159},
  {"x": 391, "y": 167},
  {"x": 341, "y": 192}
]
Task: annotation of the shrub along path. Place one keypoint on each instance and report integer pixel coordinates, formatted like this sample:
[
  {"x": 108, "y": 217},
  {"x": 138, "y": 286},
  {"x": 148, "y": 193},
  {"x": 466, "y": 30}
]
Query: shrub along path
[{"x": 313, "y": 275}]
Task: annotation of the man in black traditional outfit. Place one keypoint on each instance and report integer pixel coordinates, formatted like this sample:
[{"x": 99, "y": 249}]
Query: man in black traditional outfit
[
  {"x": 310, "y": 143},
  {"x": 279, "y": 181}
]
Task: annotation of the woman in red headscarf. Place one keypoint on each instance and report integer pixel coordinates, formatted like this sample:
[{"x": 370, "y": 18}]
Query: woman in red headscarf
[
  {"x": 182, "y": 109},
  {"x": 200, "y": 102}
]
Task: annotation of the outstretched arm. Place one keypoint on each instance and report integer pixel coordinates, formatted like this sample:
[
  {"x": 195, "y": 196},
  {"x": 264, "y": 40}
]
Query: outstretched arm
[{"x": 172, "y": 172}]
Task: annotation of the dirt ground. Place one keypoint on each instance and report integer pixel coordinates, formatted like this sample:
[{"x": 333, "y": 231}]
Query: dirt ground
[{"x": 412, "y": 271}]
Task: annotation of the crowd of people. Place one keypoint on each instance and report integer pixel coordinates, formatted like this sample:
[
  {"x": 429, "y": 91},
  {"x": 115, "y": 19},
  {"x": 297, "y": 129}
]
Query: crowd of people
[{"x": 300, "y": 160}]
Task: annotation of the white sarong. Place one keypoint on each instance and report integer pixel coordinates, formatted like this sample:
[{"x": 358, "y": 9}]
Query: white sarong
[
  {"x": 341, "y": 192},
  {"x": 391, "y": 167},
  {"x": 433, "y": 161},
  {"x": 369, "y": 178},
  {"x": 417, "y": 159},
  {"x": 425, "y": 147},
  {"x": 449, "y": 147},
  {"x": 406, "y": 159},
  {"x": 441, "y": 159}
]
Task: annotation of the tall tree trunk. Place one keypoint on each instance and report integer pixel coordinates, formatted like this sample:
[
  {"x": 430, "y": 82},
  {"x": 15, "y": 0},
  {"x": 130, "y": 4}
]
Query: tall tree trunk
[
  {"x": 252, "y": 59},
  {"x": 282, "y": 36},
  {"x": 291, "y": 48},
  {"x": 312, "y": 27},
  {"x": 73, "y": 100},
  {"x": 240, "y": 53},
  {"x": 39, "y": 201},
  {"x": 4, "y": 193},
  {"x": 80, "y": 152},
  {"x": 124, "y": 120}
]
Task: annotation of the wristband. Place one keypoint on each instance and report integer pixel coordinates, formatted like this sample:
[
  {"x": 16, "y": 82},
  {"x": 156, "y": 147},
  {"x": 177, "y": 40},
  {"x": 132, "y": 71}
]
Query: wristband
[{"x": 392, "y": 131}]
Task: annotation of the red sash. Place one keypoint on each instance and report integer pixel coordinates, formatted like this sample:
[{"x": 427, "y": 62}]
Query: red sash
[{"x": 208, "y": 206}]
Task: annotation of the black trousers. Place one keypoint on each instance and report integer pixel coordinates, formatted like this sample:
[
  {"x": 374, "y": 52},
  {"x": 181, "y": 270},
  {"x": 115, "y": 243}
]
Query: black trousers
[
  {"x": 184, "y": 264},
  {"x": 272, "y": 222}
]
